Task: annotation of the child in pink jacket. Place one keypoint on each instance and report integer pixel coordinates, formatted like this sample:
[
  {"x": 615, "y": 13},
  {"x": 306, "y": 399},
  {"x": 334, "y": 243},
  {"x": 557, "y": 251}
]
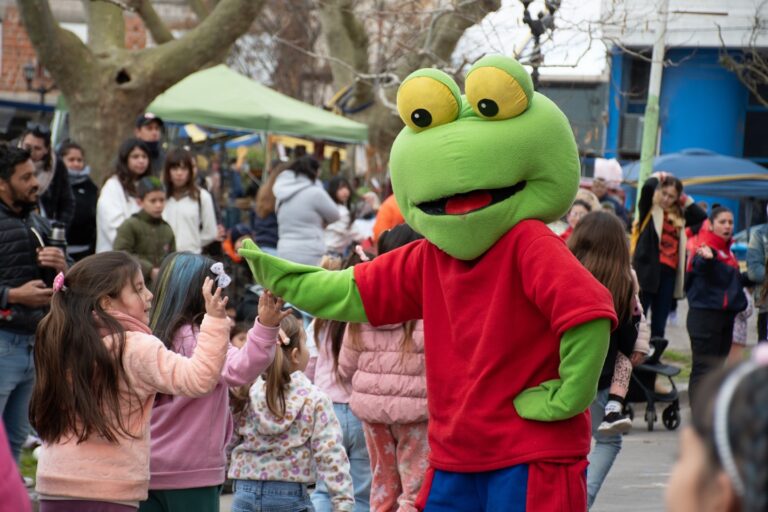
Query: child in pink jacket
[
  {"x": 389, "y": 395},
  {"x": 98, "y": 369},
  {"x": 186, "y": 474}
]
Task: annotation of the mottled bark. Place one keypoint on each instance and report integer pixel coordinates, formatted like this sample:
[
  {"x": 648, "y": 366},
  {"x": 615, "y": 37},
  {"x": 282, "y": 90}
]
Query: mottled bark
[{"x": 107, "y": 86}]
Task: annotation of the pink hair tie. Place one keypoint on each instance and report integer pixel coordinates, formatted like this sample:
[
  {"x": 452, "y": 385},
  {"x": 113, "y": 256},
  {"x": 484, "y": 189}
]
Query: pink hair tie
[
  {"x": 360, "y": 252},
  {"x": 58, "y": 283}
]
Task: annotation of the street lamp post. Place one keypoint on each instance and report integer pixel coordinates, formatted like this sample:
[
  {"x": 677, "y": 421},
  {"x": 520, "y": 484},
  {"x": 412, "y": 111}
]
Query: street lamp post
[
  {"x": 544, "y": 21},
  {"x": 30, "y": 71}
]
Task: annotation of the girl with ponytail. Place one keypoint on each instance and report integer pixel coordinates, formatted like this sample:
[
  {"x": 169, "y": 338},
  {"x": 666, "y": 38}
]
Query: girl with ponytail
[{"x": 289, "y": 435}]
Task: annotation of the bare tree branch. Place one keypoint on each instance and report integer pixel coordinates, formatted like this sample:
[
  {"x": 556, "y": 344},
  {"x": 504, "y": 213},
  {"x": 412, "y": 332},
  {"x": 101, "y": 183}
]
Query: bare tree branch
[
  {"x": 60, "y": 51},
  {"x": 106, "y": 27},
  {"x": 203, "y": 44},
  {"x": 199, "y": 8},
  {"x": 157, "y": 28},
  {"x": 751, "y": 66}
]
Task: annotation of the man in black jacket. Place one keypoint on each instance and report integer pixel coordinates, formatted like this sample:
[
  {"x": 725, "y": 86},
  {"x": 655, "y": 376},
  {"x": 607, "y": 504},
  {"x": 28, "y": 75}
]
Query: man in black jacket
[{"x": 25, "y": 262}]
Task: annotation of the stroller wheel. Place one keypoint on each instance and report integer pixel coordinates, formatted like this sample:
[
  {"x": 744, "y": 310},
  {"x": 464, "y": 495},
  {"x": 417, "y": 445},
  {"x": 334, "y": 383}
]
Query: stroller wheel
[
  {"x": 650, "y": 417},
  {"x": 629, "y": 411},
  {"x": 671, "y": 417}
]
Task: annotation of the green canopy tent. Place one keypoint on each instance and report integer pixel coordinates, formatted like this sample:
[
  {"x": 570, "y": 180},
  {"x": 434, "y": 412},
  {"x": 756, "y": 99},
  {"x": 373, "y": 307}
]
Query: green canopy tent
[{"x": 222, "y": 98}]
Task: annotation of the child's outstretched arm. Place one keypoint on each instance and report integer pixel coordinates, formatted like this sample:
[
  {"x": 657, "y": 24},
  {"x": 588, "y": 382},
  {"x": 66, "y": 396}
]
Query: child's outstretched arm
[
  {"x": 322, "y": 293},
  {"x": 330, "y": 457},
  {"x": 155, "y": 368},
  {"x": 244, "y": 365},
  {"x": 582, "y": 351}
]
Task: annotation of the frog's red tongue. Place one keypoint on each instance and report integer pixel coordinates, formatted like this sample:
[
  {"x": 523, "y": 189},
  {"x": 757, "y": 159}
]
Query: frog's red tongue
[{"x": 465, "y": 203}]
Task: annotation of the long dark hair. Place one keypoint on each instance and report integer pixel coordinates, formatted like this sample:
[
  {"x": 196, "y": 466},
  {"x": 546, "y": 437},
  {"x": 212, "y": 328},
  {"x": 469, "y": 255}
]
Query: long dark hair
[
  {"x": 178, "y": 294},
  {"x": 180, "y": 157},
  {"x": 747, "y": 420},
  {"x": 337, "y": 183},
  {"x": 40, "y": 133},
  {"x": 600, "y": 243},
  {"x": 78, "y": 376},
  {"x": 307, "y": 166},
  {"x": 126, "y": 177}
]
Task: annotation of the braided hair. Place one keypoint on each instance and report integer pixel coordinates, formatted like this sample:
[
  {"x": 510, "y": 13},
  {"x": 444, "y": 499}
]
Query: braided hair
[{"x": 747, "y": 432}]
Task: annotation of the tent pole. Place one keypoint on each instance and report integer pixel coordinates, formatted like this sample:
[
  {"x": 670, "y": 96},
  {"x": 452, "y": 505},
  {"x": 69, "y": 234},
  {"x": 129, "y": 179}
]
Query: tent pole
[{"x": 267, "y": 156}]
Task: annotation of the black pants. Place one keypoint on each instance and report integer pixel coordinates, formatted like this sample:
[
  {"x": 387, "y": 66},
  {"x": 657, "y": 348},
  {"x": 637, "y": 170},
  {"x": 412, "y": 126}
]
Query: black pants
[
  {"x": 711, "y": 333},
  {"x": 660, "y": 302},
  {"x": 762, "y": 326}
]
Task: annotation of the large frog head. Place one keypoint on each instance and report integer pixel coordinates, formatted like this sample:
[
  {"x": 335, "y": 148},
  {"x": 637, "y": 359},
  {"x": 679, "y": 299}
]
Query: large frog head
[{"x": 466, "y": 169}]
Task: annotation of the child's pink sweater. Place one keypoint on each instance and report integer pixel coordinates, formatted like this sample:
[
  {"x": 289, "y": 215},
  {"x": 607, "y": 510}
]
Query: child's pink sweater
[
  {"x": 99, "y": 470},
  {"x": 189, "y": 435}
]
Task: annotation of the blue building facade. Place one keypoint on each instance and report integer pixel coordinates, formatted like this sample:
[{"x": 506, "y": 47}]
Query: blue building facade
[{"x": 702, "y": 105}]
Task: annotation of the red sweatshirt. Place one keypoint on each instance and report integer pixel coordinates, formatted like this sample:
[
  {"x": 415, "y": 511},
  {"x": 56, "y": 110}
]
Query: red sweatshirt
[{"x": 492, "y": 329}]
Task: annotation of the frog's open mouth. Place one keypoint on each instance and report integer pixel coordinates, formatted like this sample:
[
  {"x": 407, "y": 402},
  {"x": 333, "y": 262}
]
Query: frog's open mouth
[{"x": 467, "y": 202}]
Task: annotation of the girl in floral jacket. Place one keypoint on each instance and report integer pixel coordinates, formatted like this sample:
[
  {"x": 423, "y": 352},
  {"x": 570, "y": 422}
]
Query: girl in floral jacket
[{"x": 289, "y": 435}]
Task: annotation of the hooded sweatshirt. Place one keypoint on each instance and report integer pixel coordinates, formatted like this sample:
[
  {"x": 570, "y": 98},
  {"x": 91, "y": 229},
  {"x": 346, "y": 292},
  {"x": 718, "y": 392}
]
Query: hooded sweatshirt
[
  {"x": 99, "y": 470},
  {"x": 304, "y": 444},
  {"x": 179, "y": 460},
  {"x": 303, "y": 210}
]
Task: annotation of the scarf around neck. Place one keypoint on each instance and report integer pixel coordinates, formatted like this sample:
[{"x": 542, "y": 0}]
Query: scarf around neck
[
  {"x": 721, "y": 248},
  {"x": 128, "y": 323}
]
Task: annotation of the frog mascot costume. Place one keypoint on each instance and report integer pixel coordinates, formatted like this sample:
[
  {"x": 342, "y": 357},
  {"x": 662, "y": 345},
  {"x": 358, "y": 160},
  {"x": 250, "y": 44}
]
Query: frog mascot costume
[{"x": 516, "y": 330}]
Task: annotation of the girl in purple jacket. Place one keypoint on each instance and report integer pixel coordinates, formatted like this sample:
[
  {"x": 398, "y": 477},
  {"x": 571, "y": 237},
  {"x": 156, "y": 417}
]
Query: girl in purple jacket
[
  {"x": 389, "y": 395},
  {"x": 189, "y": 435}
]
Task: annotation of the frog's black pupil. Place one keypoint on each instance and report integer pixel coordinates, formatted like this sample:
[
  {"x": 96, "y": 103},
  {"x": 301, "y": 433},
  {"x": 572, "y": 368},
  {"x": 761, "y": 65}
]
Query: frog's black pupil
[
  {"x": 487, "y": 107},
  {"x": 421, "y": 118}
]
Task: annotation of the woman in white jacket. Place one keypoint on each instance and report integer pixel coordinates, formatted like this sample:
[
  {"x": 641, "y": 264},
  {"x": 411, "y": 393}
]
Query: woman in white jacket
[
  {"x": 189, "y": 209},
  {"x": 118, "y": 199}
]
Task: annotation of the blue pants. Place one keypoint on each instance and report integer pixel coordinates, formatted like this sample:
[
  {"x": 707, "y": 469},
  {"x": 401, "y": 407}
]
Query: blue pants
[
  {"x": 359, "y": 463},
  {"x": 266, "y": 496},
  {"x": 604, "y": 451},
  {"x": 17, "y": 378},
  {"x": 504, "y": 489}
]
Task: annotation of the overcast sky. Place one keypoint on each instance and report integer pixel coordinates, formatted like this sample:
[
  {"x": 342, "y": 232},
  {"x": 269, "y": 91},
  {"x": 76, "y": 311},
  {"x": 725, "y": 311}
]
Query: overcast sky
[{"x": 568, "y": 53}]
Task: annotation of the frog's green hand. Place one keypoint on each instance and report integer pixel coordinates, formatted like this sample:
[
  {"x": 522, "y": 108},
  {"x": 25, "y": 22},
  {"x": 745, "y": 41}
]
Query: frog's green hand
[
  {"x": 582, "y": 354},
  {"x": 322, "y": 293}
]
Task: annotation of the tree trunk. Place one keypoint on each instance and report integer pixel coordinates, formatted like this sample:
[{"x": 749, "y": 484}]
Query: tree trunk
[{"x": 107, "y": 86}]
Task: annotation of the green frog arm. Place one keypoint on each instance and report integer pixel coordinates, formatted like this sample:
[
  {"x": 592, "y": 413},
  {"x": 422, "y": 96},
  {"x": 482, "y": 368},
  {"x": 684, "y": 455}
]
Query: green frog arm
[
  {"x": 582, "y": 355},
  {"x": 319, "y": 292}
]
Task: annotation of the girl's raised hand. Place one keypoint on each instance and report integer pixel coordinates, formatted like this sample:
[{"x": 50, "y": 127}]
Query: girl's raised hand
[
  {"x": 271, "y": 309},
  {"x": 215, "y": 305}
]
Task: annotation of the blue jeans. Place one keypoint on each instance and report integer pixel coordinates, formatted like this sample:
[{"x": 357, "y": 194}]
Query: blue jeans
[
  {"x": 359, "y": 463},
  {"x": 268, "y": 496},
  {"x": 17, "y": 377},
  {"x": 605, "y": 450}
]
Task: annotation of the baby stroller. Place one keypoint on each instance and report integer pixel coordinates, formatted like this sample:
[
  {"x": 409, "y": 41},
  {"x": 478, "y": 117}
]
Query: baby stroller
[{"x": 642, "y": 388}]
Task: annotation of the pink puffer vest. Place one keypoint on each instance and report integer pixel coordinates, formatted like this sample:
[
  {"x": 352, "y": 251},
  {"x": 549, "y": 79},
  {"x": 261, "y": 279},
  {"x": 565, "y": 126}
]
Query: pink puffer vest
[{"x": 388, "y": 386}]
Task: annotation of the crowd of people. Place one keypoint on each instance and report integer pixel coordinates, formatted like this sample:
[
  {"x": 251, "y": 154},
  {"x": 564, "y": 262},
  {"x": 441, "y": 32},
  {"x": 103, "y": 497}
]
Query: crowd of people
[{"x": 136, "y": 341}]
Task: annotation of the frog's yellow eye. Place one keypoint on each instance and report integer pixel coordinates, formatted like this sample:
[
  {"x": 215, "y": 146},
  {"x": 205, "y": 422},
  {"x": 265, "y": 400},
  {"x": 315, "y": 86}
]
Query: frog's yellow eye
[
  {"x": 496, "y": 93},
  {"x": 428, "y": 98}
]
